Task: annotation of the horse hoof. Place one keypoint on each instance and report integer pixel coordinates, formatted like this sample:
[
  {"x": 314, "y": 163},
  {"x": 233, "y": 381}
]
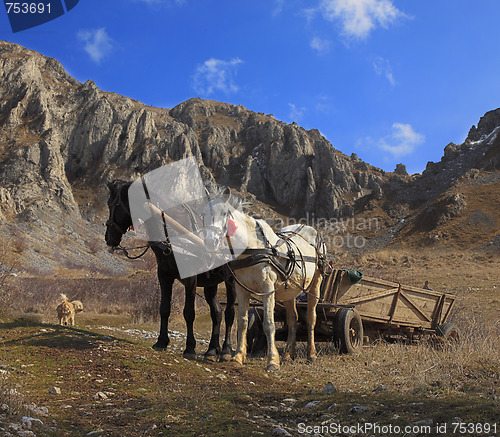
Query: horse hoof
[
  {"x": 211, "y": 358},
  {"x": 189, "y": 355},
  {"x": 158, "y": 347},
  {"x": 235, "y": 363},
  {"x": 271, "y": 367},
  {"x": 225, "y": 358},
  {"x": 311, "y": 359}
]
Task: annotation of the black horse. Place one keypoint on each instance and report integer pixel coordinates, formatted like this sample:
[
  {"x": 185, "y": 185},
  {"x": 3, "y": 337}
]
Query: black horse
[{"x": 117, "y": 225}]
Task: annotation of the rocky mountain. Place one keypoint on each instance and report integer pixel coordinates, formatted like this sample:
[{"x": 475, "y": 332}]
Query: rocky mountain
[{"x": 60, "y": 140}]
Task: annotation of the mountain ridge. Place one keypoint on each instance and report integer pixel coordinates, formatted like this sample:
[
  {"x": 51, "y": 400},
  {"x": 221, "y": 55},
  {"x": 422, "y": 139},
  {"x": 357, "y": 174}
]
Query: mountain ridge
[{"x": 61, "y": 140}]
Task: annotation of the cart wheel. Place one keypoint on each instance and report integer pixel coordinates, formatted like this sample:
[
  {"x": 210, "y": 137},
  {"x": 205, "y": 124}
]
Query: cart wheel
[
  {"x": 448, "y": 333},
  {"x": 348, "y": 334}
]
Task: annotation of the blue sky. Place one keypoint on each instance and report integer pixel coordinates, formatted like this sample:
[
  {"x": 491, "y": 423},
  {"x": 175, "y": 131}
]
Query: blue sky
[{"x": 392, "y": 81}]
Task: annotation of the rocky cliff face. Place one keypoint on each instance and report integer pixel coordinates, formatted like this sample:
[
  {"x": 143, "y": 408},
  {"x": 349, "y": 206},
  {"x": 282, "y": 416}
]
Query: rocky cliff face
[
  {"x": 56, "y": 131},
  {"x": 60, "y": 140}
]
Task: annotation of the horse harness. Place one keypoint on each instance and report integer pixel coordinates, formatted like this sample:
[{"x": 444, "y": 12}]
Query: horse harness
[
  {"x": 271, "y": 254},
  {"x": 164, "y": 246}
]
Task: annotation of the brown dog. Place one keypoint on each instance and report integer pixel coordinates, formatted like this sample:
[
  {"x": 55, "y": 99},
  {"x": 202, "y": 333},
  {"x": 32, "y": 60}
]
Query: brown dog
[{"x": 66, "y": 311}]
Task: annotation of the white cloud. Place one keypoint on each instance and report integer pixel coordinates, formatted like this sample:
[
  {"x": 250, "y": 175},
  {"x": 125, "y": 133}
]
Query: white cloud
[
  {"x": 320, "y": 45},
  {"x": 383, "y": 68},
  {"x": 98, "y": 44},
  {"x": 323, "y": 105},
  {"x": 216, "y": 75},
  {"x": 278, "y": 7},
  {"x": 359, "y": 17},
  {"x": 296, "y": 113},
  {"x": 402, "y": 141}
]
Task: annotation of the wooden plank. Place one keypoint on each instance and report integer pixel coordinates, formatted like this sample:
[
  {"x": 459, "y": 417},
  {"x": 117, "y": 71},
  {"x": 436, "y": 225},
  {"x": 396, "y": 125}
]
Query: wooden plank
[
  {"x": 368, "y": 297},
  {"x": 421, "y": 291},
  {"x": 327, "y": 297},
  {"x": 336, "y": 286},
  {"x": 155, "y": 211},
  {"x": 452, "y": 303},
  {"x": 415, "y": 307},
  {"x": 394, "y": 304},
  {"x": 438, "y": 311}
]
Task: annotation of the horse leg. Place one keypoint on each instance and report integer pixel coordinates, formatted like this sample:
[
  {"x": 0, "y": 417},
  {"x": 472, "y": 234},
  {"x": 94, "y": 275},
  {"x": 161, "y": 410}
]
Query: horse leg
[
  {"x": 243, "y": 305},
  {"x": 291, "y": 321},
  {"x": 227, "y": 350},
  {"x": 166, "y": 282},
  {"x": 216, "y": 315},
  {"x": 189, "y": 313},
  {"x": 312, "y": 302},
  {"x": 273, "y": 359}
]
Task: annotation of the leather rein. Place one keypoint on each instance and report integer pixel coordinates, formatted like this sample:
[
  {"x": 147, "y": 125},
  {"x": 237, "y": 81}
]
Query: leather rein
[{"x": 111, "y": 223}]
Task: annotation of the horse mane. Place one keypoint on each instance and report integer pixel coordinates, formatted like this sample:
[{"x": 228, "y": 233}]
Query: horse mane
[{"x": 216, "y": 191}]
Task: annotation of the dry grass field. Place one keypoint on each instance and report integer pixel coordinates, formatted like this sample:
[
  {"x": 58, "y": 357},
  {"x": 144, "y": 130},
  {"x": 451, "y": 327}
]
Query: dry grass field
[{"x": 112, "y": 383}]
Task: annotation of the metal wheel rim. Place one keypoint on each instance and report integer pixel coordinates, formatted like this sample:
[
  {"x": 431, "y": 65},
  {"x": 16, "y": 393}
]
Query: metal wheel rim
[{"x": 354, "y": 329}]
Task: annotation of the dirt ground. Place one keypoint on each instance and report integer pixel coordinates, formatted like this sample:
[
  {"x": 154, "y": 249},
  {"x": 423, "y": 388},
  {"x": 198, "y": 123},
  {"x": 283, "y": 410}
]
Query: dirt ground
[{"x": 112, "y": 383}]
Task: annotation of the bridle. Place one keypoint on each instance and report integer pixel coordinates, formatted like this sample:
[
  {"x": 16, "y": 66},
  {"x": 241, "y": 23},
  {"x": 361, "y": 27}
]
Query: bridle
[
  {"x": 111, "y": 222},
  {"x": 220, "y": 232}
]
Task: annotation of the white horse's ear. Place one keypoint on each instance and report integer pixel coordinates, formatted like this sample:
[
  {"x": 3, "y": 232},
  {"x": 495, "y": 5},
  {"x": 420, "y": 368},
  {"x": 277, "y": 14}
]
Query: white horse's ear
[{"x": 226, "y": 194}]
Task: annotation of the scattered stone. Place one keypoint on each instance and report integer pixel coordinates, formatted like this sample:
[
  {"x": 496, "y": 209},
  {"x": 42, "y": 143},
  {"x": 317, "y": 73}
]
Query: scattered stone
[
  {"x": 28, "y": 422},
  {"x": 100, "y": 396},
  {"x": 153, "y": 428},
  {"x": 281, "y": 432},
  {"x": 289, "y": 400},
  {"x": 26, "y": 434},
  {"x": 329, "y": 389},
  {"x": 381, "y": 388},
  {"x": 35, "y": 409},
  {"x": 295, "y": 380},
  {"x": 97, "y": 431},
  {"x": 358, "y": 409},
  {"x": 424, "y": 422},
  {"x": 331, "y": 407},
  {"x": 54, "y": 391},
  {"x": 312, "y": 404}
]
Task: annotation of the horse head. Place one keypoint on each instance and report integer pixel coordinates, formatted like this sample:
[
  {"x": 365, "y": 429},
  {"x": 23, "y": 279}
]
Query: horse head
[
  {"x": 119, "y": 219},
  {"x": 216, "y": 214}
]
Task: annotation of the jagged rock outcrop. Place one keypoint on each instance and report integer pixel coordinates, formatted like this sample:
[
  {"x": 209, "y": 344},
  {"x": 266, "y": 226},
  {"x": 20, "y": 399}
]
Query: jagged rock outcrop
[{"x": 90, "y": 134}]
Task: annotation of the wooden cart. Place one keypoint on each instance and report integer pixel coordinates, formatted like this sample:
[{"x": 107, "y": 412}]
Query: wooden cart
[{"x": 351, "y": 314}]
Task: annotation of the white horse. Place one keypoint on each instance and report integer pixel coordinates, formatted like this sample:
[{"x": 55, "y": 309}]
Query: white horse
[{"x": 267, "y": 277}]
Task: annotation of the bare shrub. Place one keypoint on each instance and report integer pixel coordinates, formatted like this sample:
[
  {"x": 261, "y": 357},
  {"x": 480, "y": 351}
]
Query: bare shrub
[
  {"x": 137, "y": 296},
  {"x": 94, "y": 245},
  {"x": 6, "y": 270},
  {"x": 146, "y": 300}
]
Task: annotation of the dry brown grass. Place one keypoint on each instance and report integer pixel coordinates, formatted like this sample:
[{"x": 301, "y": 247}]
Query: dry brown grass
[
  {"x": 465, "y": 372},
  {"x": 137, "y": 297}
]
